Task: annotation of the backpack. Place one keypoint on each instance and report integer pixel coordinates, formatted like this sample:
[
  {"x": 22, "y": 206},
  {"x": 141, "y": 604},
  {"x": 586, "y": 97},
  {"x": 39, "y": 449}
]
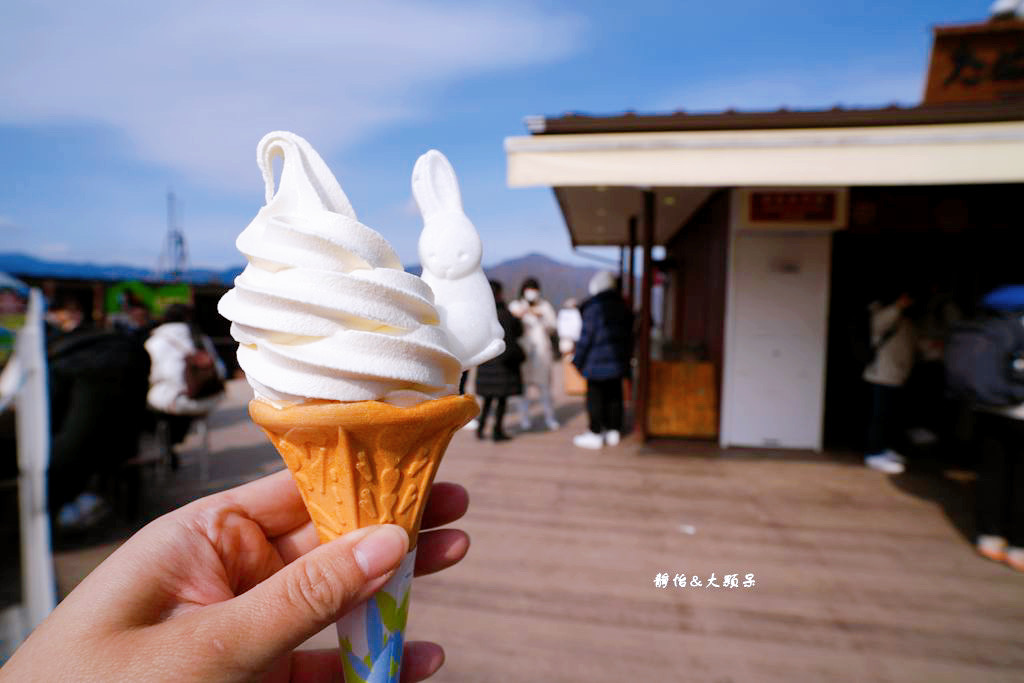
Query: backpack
[
  {"x": 201, "y": 377},
  {"x": 984, "y": 360}
]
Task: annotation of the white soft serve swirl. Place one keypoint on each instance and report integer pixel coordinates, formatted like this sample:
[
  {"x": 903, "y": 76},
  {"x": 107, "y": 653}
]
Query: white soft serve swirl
[{"x": 324, "y": 309}]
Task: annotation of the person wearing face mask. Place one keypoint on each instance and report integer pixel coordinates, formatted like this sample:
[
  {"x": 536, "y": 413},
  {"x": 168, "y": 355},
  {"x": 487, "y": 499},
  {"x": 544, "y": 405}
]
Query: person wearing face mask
[{"x": 539, "y": 322}]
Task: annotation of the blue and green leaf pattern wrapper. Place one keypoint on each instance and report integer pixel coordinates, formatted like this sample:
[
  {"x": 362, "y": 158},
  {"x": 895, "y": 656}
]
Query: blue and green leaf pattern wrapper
[{"x": 372, "y": 635}]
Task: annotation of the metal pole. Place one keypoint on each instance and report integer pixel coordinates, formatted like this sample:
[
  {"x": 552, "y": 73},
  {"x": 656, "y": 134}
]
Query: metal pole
[{"x": 644, "y": 350}]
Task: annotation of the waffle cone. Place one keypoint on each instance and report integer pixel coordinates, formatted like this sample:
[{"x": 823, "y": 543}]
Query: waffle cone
[{"x": 364, "y": 463}]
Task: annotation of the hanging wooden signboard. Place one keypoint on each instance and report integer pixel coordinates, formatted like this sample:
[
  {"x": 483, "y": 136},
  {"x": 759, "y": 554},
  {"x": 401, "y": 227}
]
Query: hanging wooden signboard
[{"x": 976, "y": 63}]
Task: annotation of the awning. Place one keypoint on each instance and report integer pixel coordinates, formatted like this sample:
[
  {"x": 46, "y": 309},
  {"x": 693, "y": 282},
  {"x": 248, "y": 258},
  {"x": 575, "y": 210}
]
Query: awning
[{"x": 947, "y": 154}]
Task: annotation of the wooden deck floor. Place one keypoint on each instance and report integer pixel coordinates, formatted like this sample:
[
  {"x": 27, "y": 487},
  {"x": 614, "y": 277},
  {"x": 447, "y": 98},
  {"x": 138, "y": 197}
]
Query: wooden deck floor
[{"x": 858, "y": 576}]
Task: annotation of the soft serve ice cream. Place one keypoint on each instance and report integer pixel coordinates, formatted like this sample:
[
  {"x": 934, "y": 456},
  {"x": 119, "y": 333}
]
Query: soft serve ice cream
[
  {"x": 354, "y": 361},
  {"x": 324, "y": 310}
]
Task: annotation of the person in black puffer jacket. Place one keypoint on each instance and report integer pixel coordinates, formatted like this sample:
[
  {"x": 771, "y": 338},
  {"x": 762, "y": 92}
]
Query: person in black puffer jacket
[
  {"x": 602, "y": 357},
  {"x": 98, "y": 383},
  {"x": 500, "y": 377}
]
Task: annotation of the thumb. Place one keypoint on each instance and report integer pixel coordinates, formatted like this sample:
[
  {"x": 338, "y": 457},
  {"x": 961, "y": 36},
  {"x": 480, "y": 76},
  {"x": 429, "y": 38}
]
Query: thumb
[{"x": 276, "y": 616}]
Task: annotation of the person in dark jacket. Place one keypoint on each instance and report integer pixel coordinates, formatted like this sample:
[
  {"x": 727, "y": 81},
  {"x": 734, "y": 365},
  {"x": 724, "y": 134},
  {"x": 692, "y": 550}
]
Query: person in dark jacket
[
  {"x": 98, "y": 381},
  {"x": 602, "y": 357},
  {"x": 500, "y": 377}
]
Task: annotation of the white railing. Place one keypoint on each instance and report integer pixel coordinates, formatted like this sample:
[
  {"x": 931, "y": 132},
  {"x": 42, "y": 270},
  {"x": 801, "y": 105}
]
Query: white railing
[{"x": 24, "y": 383}]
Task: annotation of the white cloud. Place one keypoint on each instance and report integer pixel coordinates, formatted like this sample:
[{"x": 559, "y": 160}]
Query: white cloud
[
  {"x": 819, "y": 87},
  {"x": 195, "y": 84}
]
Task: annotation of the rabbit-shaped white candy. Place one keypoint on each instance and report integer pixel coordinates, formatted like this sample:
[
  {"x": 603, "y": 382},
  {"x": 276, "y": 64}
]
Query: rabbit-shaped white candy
[{"x": 450, "y": 252}]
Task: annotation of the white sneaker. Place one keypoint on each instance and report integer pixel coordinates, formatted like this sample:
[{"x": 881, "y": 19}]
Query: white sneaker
[
  {"x": 552, "y": 425},
  {"x": 893, "y": 455},
  {"x": 883, "y": 462},
  {"x": 612, "y": 437},
  {"x": 991, "y": 546},
  {"x": 588, "y": 440}
]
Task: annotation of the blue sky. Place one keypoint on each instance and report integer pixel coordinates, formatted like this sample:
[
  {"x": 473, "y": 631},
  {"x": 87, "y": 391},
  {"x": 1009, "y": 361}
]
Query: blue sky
[{"x": 104, "y": 106}]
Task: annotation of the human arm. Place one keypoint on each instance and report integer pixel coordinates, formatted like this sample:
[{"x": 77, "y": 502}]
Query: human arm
[
  {"x": 225, "y": 588},
  {"x": 546, "y": 313},
  {"x": 518, "y": 307},
  {"x": 588, "y": 330}
]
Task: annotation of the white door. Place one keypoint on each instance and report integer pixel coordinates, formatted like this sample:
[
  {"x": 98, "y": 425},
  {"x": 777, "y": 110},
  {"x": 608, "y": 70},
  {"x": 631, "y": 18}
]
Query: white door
[{"x": 775, "y": 340}]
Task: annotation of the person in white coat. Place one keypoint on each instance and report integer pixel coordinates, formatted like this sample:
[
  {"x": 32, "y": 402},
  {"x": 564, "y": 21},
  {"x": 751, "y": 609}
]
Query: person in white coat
[
  {"x": 169, "y": 346},
  {"x": 539, "y": 322},
  {"x": 893, "y": 339}
]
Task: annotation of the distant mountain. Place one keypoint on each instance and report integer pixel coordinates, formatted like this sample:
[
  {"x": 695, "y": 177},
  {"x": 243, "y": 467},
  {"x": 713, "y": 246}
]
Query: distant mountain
[
  {"x": 23, "y": 264},
  {"x": 558, "y": 281}
]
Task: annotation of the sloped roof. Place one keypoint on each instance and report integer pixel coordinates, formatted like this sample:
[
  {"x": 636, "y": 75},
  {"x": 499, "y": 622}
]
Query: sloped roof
[{"x": 836, "y": 117}]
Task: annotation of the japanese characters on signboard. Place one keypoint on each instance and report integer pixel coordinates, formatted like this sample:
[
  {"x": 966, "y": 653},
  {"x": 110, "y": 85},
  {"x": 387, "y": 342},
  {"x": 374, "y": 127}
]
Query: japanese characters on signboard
[
  {"x": 976, "y": 63},
  {"x": 793, "y": 208}
]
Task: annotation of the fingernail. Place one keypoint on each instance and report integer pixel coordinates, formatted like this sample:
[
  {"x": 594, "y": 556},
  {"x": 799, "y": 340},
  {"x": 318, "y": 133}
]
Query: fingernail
[{"x": 381, "y": 550}]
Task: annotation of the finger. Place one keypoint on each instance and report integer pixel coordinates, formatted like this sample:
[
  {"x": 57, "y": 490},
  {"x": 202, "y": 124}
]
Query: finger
[
  {"x": 447, "y": 502},
  {"x": 296, "y": 542},
  {"x": 440, "y": 549},
  {"x": 253, "y": 630},
  {"x": 421, "y": 660},
  {"x": 273, "y": 502}
]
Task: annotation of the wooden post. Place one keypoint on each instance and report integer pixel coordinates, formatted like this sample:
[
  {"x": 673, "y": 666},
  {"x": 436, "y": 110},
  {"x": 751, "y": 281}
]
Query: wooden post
[
  {"x": 644, "y": 337},
  {"x": 99, "y": 308},
  {"x": 622, "y": 271},
  {"x": 632, "y": 276}
]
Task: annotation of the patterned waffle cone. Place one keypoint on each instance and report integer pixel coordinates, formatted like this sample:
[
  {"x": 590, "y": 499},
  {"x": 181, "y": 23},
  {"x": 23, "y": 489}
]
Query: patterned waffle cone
[{"x": 364, "y": 463}]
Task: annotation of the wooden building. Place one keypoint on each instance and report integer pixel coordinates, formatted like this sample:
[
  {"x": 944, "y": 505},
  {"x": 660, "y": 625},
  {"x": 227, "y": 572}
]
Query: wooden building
[{"x": 779, "y": 227}]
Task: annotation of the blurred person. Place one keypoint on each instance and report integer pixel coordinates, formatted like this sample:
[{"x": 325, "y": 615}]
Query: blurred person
[
  {"x": 499, "y": 378},
  {"x": 222, "y": 589},
  {"x": 65, "y": 316},
  {"x": 98, "y": 383},
  {"x": 568, "y": 326},
  {"x": 13, "y": 306},
  {"x": 539, "y": 323},
  {"x": 931, "y": 415},
  {"x": 893, "y": 343},
  {"x": 132, "y": 318},
  {"x": 997, "y": 369},
  {"x": 602, "y": 357},
  {"x": 1000, "y": 487},
  {"x": 187, "y": 376}
]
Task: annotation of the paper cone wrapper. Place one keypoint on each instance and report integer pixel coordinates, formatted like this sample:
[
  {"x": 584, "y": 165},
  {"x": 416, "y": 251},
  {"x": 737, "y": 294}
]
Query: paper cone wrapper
[
  {"x": 364, "y": 463},
  {"x": 372, "y": 635}
]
